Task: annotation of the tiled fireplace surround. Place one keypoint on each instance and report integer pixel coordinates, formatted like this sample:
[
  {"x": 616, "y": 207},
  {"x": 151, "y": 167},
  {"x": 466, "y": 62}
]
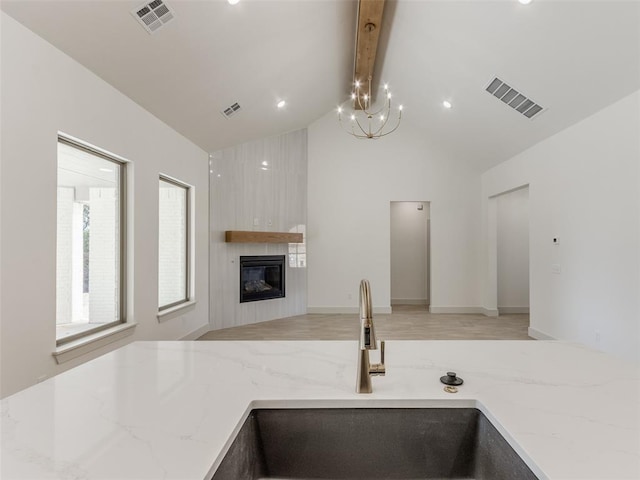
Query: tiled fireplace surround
[{"x": 262, "y": 186}]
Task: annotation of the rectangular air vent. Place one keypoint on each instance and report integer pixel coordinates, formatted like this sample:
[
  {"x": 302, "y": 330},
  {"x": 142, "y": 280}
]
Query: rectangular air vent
[
  {"x": 513, "y": 98},
  {"x": 231, "y": 111},
  {"x": 153, "y": 15}
]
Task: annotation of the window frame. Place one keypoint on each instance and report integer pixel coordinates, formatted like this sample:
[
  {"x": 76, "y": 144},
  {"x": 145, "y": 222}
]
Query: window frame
[
  {"x": 187, "y": 285},
  {"x": 122, "y": 238}
]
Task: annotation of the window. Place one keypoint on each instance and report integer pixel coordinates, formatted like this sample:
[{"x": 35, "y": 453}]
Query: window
[
  {"x": 90, "y": 241},
  {"x": 298, "y": 251},
  {"x": 173, "y": 243}
]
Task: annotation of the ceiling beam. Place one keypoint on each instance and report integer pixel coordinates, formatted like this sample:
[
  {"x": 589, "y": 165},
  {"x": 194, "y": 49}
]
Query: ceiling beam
[{"x": 367, "y": 36}]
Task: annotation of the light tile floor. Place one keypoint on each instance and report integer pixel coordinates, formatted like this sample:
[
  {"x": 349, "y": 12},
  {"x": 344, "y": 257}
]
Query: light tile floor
[{"x": 407, "y": 322}]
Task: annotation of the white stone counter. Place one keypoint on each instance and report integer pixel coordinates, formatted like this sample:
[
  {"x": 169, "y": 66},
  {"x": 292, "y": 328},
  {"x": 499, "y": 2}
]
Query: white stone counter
[{"x": 168, "y": 410}]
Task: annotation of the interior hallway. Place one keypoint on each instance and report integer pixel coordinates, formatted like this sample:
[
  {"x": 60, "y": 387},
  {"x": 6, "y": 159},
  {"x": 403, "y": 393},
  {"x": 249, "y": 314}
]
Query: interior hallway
[{"x": 407, "y": 322}]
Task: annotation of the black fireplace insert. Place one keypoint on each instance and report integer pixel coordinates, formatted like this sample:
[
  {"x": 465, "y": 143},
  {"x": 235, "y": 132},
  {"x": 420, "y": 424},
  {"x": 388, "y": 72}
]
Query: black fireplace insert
[{"x": 261, "y": 277}]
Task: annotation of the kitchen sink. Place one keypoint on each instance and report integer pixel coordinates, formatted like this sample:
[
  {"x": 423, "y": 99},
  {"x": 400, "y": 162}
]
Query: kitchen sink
[{"x": 370, "y": 443}]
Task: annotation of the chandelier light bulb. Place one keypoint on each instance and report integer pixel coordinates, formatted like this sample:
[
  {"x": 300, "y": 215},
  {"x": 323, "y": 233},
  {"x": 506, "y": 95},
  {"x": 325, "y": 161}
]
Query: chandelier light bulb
[
  {"x": 353, "y": 96},
  {"x": 381, "y": 117},
  {"x": 281, "y": 104},
  {"x": 339, "y": 109},
  {"x": 357, "y": 83},
  {"x": 446, "y": 104},
  {"x": 353, "y": 117},
  {"x": 400, "y": 108},
  {"x": 389, "y": 95},
  {"x": 386, "y": 86}
]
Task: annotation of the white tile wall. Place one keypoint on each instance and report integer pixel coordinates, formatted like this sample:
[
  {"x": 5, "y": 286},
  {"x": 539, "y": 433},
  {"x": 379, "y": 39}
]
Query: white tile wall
[{"x": 259, "y": 185}]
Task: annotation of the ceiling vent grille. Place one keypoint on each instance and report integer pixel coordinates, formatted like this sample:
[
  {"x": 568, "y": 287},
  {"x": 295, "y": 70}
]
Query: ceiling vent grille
[
  {"x": 153, "y": 15},
  {"x": 513, "y": 98},
  {"x": 231, "y": 111}
]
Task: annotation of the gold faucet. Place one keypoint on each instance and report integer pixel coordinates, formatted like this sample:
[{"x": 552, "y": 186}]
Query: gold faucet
[{"x": 367, "y": 342}]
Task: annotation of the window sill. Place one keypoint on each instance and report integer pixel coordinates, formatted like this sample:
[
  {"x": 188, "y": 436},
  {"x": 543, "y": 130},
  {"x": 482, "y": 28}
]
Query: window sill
[
  {"x": 168, "y": 314},
  {"x": 84, "y": 345}
]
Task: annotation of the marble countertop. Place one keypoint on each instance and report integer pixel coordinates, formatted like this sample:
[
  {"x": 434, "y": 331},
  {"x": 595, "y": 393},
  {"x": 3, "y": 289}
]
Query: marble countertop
[{"x": 168, "y": 410}]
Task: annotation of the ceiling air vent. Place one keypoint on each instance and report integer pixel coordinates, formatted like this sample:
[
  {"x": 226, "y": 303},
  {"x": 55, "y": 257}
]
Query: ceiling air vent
[
  {"x": 153, "y": 15},
  {"x": 231, "y": 111},
  {"x": 513, "y": 98}
]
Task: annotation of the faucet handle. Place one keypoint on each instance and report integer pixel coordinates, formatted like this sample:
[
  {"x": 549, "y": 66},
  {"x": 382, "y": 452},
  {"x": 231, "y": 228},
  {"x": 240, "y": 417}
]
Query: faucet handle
[{"x": 379, "y": 368}]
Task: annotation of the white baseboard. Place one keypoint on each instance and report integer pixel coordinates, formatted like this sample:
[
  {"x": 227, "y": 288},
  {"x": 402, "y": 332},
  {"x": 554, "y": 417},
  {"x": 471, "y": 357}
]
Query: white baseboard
[
  {"x": 490, "y": 312},
  {"x": 197, "y": 333},
  {"x": 346, "y": 310},
  {"x": 409, "y": 301},
  {"x": 508, "y": 310},
  {"x": 462, "y": 310},
  {"x": 436, "y": 309},
  {"x": 538, "y": 335}
]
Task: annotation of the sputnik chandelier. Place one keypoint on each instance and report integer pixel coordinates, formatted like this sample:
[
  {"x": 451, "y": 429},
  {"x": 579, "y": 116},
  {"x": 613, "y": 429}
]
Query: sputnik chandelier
[{"x": 369, "y": 119}]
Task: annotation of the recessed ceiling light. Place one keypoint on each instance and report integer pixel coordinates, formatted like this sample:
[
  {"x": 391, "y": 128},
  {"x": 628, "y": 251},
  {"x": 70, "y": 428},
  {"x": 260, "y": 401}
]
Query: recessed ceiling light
[
  {"x": 265, "y": 163},
  {"x": 446, "y": 104},
  {"x": 233, "y": 2},
  {"x": 525, "y": 2},
  {"x": 281, "y": 104}
]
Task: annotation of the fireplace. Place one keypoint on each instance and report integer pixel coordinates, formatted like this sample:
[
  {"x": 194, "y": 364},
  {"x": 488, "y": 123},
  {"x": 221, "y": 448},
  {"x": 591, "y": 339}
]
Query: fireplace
[{"x": 261, "y": 278}]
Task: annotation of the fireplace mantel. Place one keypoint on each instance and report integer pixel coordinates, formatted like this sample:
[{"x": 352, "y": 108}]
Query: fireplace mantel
[{"x": 238, "y": 236}]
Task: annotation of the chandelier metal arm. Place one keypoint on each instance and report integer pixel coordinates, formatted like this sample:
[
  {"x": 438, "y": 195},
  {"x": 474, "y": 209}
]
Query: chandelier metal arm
[
  {"x": 384, "y": 124},
  {"x": 352, "y": 131},
  {"x": 367, "y": 134},
  {"x": 393, "y": 129},
  {"x": 364, "y": 109}
]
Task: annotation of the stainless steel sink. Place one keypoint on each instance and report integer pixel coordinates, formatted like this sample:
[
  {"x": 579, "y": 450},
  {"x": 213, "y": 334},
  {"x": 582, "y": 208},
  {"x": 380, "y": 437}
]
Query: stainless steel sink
[{"x": 365, "y": 443}]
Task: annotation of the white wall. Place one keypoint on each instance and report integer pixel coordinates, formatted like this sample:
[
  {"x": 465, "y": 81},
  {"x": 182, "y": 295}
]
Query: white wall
[
  {"x": 409, "y": 253},
  {"x": 513, "y": 251},
  {"x": 583, "y": 188},
  {"x": 351, "y": 185},
  {"x": 259, "y": 185},
  {"x": 43, "y": 92}
]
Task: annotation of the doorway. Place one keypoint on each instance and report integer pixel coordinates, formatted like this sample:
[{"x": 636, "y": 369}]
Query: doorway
[
  {"x": 410, "y": 257},
  {"x": 512, "y": 251}
]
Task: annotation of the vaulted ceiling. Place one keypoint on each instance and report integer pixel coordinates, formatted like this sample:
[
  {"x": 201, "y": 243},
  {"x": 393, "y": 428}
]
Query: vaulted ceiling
[{"x": 571, "y": 57}]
